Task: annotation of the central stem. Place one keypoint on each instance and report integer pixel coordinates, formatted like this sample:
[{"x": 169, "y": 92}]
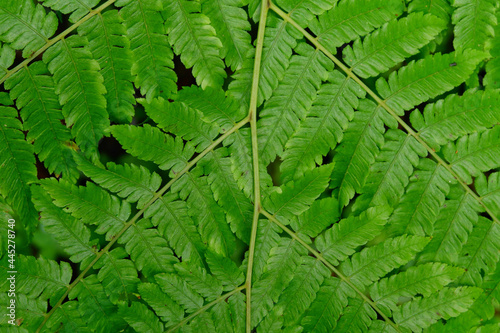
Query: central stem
[{"x": 252, "y": 114}]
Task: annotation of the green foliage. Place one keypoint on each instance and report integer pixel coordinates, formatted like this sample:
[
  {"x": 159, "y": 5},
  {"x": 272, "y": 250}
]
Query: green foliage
[{"x": 250, "y": 166}]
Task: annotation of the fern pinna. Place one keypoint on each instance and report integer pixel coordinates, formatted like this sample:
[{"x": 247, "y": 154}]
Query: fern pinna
[{"x": 336, "y": 167}]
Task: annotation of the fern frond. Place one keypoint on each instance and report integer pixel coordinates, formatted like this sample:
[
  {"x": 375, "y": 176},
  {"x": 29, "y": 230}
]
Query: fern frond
[
  {"x": 174, "y": 223},
  {"x": 481, "y": 253},
  {"x": 167, "y": 309},
  {"x": 180, "y": 291},
  {"x": 351, "y": 19},
  {"x": 267, "y": 238},
  {"x": 94, "y": 305},
  {"x": 224, "y": 270},
  {"x": 214, "y": 105},
  {"x": 453, "y": 225},
  {"x": 291, "y": 100},
  {"x": 69, "y": 232},
  {"x": 470, "y": 155},
  {"x": 374, "y": 262},
  {"x": 357, "y": 317},
  {"x": 33, "y": 90},
  {"x": 26, "y": 26},
  {"x": 118, "y": 276},
  {"x": 81, "y": 91},
  {"x": 91, "y": 204},
  {"x": 148, "y": 249},
  {"x": 7, "y": 56},
  {"x": 232, "y": 27},
  {"x": 31, "y": 310},
  {"x": 427, "y": 78},
  {"x": 67, "y": 318},
  {"x": 327, "y": 307},
  {"x": 317, "y": 218},
  {"x": 489, "y": 190},
  {"x": 361, "y": 143},
  {"x": 18, "y": 167},
  {"x": 342, "y": 239},
  {"x": 295, "y": 197},
  {"x": 200, "y": 280},
  {"x": 422, "y": 312},
  {"x": 301, "y": 292},
  {"x": 140, "y": 318},
  {"x": 41, "y": 278},
  {"x": 152, "y": 54},
  {"x": 439, "y": 8},
  {"x": 131, "y": 182},
  {"x": 236, "y": 205},
  {"x": 423, "y": 279},
  {"x": 105, "y": 33},
  {"x": 423, "y": 200},
  {"x": 183, "y": 121},
  {"x": 164, "y": 150},
  {"x": 448, "y": 119},
  {"x": 206, "y": 213},
  {"x": 230, "y": 316},
  {"x": 390, "y": 174},
  {"x": 323, "y": 127},
  {"x": 194, "y": 38},
  {"x": 278, "y": 272},
  {"x": 474, "y": 23},
  {"x": 391, "y": 44},
  {"x": 77, "y": 8}
]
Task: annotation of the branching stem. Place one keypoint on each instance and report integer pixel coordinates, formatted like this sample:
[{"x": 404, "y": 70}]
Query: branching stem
[
  {"x": 54, "y": 40},
  {"x": 205, "y": 308},
  {"x": 157, "y": 195},
  {"x": 320, "y": 257},
  {"x": 252, "y": 114},
  {"x": 384, "y": 105}
]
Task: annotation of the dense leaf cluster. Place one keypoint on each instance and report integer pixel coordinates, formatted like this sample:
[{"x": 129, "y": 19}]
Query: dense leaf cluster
[{"x": 335, "y": 168}]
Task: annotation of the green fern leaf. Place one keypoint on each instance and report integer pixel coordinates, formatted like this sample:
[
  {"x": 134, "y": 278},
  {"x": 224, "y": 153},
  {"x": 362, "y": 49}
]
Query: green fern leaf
[
  {"x": 427, "y": 78},
  {"x": 391, "y": 44},
  {"x": 205, "y": 284},
  {"x": 194, "y": 38},
  {"x": 148, "y": 249},
  {"x": 327, "y": 307},
  {"x": 291, "y": 100},
  {"x": 374, "y": 262},
  {"x": 26, "y": 26},
  {"x": 140, "y": 318},
  {"x": 357, "y": 317},
  {"x": 353, "y": 18},
  {"x": 164, "y": 150},
  {"x": 341, "y": 241},
  {"x": 153, "y": 60},
  {"x": 474, "y": 22},
  {"x": 225, "y": 270},
  {"x": 295, "y": 197},
  {"x": 80, "y": 89},
  {"x": 423, "y": 279},
  {"x": 180, "y": 291},
  {"x": 475, "y": 153},
  {"x": 282, "y": 262},
  {"x": 130, "y": 182},
  {"x": 39, "y": 278},
  {"x": 317, "y": 218},
  {"x": 118, "y": 276},
  {"x": 456, "y": 116},
  {"x": 18, "y": 167},
  {"x": 439, "y": 8},
  {"x": 33, "y": 90},
  {"x": 77, "y": 8},
  {"x": 68, "y": 231},
  {"x": 112, "y": 51},
  {"x": 230, "y": 23},
  {"x": 422, "y": 312},
  {"x": 91, "y": 204},
  {"x": 167, "y": 309},
  {"x": 489, "y": 191}
]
